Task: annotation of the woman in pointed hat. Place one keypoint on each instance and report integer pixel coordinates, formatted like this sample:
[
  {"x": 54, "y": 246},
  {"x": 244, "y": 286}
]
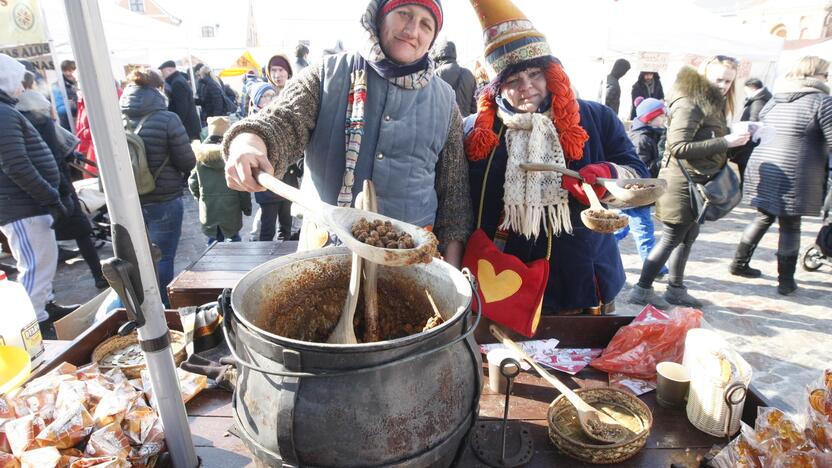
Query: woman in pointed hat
[
  {"x": 376, "y": 114},
  {"x": 529, "y": 113}
]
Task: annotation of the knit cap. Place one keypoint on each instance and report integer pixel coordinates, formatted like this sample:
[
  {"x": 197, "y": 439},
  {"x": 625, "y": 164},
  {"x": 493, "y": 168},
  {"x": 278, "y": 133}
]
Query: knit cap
[
  {"x": 648, "y": 109},
  {"x": 217, "y": 126},
  {"x": 434, "y": 6},
  {"x": 258, "y": 90}
]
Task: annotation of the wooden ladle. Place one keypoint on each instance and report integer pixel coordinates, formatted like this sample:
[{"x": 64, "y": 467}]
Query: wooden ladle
[
  {"x": 342, "y": 219},
  {"x": 595, "y": 424},
  {"x": 372, "y": 328},
  {"x": 598, "y": 218},
  {"x": 344, "y": 332},
  {"x": 641, "y": 192}
]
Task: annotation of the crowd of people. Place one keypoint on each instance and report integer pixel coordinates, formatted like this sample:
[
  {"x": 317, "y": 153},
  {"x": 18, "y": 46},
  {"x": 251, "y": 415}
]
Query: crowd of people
[{"x": 444, "y": 147}]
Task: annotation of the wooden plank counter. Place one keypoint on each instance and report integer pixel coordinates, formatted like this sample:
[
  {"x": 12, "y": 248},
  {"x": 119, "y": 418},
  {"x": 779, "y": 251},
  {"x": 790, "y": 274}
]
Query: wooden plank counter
[
  {"x": 221, "y": 266},
  {"x": 673, "y": 439}
]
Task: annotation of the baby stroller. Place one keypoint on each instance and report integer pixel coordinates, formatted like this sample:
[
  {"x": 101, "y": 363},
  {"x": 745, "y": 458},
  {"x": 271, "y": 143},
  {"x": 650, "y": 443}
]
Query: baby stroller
[
  {"x": 820, "y": 253},
  {"x": 93, "y": 203}
]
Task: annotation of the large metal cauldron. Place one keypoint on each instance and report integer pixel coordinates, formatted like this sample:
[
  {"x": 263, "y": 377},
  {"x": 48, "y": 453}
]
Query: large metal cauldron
[{"x": 408, "y": 402}]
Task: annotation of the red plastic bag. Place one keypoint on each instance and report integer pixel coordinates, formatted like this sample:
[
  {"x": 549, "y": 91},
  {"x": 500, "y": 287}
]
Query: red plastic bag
[{"x": 651, "y": 338}]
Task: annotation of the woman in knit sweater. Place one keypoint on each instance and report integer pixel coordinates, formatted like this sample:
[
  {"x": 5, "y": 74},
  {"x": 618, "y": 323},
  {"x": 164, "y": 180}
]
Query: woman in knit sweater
[
  {"x": 785, "y": 178},
  {"x": 403, "y": 129}
]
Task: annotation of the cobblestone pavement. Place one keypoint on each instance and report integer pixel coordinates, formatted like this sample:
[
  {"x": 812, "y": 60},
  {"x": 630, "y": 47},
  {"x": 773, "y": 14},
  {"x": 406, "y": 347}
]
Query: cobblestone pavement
[{"x": 788, "y": 340}]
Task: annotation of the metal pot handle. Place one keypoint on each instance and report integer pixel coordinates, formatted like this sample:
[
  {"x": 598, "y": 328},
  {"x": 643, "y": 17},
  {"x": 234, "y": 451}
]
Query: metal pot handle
[
  {"x": 229, "y": 314},
  {"x": 734, "y": 395}
]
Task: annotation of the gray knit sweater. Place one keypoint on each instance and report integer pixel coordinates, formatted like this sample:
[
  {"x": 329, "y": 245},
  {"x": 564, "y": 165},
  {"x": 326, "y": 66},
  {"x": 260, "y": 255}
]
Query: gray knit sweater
[{"x": 288, "y": 123}]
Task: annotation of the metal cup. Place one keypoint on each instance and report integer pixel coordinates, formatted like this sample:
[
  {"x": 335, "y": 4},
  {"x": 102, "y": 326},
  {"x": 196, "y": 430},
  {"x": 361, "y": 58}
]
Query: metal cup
[{"x": 673, "y": 381}]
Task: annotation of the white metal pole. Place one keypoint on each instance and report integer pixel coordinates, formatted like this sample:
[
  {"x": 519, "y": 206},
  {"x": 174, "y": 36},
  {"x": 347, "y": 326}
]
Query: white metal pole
[{"x": 129, "y": 235}]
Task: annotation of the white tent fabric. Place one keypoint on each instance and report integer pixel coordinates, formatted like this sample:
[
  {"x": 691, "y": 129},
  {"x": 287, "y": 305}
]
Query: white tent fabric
[{"x": 656, "y": 26}]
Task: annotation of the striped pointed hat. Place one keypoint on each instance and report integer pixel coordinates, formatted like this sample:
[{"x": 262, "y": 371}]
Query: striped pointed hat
[{"x": 509, "y": 36}]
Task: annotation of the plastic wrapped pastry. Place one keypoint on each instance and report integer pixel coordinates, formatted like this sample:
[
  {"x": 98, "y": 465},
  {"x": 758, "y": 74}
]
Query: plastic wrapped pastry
[
  {"x": 101, "y": 462},
  {"x": 8, "y": 460},
  {"x": 46, "y": 457},
  {"x": 21, "y": 433},
  {"x": 70, "y": 427},
  {"x": 108, "y": 441},
  {"x": 114, "y": 405}
]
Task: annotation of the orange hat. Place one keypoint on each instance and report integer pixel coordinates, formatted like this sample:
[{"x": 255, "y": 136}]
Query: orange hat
[{"x": 509, "y": 36}]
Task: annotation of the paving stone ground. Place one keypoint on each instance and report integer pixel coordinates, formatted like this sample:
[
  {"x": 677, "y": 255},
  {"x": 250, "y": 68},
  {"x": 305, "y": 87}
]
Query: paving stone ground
[{"x": 787, "y": 340}]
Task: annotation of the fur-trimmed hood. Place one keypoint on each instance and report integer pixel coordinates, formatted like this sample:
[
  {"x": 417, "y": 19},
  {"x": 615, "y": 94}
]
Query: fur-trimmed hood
[
  {"x": 209, "y": 154},
  {"x": 697, "y": 88}
]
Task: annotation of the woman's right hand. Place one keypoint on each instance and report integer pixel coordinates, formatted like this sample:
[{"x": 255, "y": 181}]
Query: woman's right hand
[
  {"x": 247, "y": 155},
  {"x": 737, "y": 139}
]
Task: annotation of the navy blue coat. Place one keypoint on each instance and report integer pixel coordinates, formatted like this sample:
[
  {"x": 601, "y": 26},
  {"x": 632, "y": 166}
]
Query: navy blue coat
[
  {"x": 585, "y": 267},
  {"x": 29, "y": 176}
]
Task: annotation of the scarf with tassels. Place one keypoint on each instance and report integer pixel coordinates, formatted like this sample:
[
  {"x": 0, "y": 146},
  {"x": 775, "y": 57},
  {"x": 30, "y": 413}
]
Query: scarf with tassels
[
  {"x": 532, "y": 199},
  {"x": 413, "y": 76}
]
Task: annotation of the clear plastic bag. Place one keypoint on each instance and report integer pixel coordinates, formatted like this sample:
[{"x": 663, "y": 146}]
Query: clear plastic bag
[{"x": 638, "y": 347}]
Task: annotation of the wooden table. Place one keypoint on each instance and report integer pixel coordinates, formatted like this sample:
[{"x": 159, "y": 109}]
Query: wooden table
[
  {"x": 221, "y": 266},
  {"x": 673, "y": 439}
]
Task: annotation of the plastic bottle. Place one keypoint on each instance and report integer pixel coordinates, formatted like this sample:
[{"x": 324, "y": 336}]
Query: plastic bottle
[{"x": 19, "y": 324}]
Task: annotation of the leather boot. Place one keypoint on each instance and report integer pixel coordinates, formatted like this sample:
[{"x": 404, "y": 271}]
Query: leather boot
[
  {"x": 785, "y": 274},
  {"x": 57, "y": 311},
  {"x": 739, "y": 267},
  {"x": 678, "y": 295},
  {"x": 644, "y": 296}
]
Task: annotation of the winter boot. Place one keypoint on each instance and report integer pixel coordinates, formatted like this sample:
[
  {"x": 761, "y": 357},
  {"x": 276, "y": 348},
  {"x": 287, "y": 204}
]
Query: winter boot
[
  {"x": 785, "y": 274},
  {"x": 739, "y": 267},
  {"x": 100, "y": 282},
  {"x": 678, "y": 295},
  {"x": 644, "y": 296}
]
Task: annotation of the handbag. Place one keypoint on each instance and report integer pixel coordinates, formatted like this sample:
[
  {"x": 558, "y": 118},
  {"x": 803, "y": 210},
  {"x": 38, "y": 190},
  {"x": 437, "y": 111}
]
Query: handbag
[
  {"x": 715, "y": 198},
  {"x": 511, "y": 290}
]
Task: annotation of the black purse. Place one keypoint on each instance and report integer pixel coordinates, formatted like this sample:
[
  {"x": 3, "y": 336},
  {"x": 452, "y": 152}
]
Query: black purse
[{"x": 716, "y": 197}]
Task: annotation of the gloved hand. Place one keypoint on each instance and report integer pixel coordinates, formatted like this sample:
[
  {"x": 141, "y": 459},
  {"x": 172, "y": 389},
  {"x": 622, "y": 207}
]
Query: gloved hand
[
  {"x": 58, "y": 212},
  {"x": 590, "y": 173}
]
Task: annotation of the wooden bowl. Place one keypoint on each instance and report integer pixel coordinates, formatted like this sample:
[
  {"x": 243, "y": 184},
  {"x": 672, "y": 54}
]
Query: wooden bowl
[
  {"x": 114, "y": 344},
  {"x": 566, "y": 433}
]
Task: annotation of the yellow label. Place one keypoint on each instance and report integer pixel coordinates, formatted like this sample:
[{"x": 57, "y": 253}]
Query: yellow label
[{"x": 32, "y": 340}]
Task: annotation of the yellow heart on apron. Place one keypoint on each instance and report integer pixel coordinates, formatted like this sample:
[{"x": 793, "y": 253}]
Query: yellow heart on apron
[{"x": 496, "y": 287}]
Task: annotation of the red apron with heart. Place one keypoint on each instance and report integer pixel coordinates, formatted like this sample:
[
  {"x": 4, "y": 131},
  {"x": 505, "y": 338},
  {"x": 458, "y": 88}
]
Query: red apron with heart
[{"x": 511, "y": 290}]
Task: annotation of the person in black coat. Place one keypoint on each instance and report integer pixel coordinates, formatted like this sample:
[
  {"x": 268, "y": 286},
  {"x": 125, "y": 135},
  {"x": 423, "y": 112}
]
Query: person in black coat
[
  {"x": 648, "y": 85},
  {"x": 460, "y": 78},
  {"x": 756, "y": 98},
  {"x": 181, "y": 99},
  {"x": 36, "y": 108},
  {"x": 757, "y": 95},
  {"x": 211, "y": 95},
  {"x": 29, "y": 199},
  {"x": 169, "y": 153},
  {"x": 613, "y": 92}
]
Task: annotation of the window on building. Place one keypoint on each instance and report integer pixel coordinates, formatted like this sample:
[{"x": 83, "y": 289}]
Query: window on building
[
  {"x": 827, "y": 23},
  {"x": 137, "y": 6},
  {"x": 779, "y": 31},
  {"x": 208, "y": 31}
]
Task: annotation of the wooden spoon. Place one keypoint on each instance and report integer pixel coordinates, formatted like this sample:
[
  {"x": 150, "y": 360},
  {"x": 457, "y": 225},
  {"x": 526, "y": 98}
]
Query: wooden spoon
[
  {"x": 344, "y": 332},
  {"x": 647, "y": 191},
  {"x": 371, "y": 324},
  {"x": 598, "y": 218},
  {"x": 342, "y": 219},
  {"x": 595, "y": 424}
]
